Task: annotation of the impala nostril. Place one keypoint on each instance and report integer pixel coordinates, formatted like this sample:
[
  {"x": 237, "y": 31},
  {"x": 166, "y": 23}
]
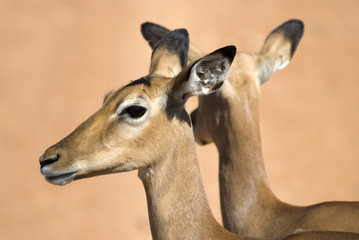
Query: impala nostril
[{"x": 50, "y": 160}]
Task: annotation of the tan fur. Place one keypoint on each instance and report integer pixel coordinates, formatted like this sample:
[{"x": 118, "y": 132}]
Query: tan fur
[
  {"x": 160, "y": 145},
  {"x": 230, "y": 118}
]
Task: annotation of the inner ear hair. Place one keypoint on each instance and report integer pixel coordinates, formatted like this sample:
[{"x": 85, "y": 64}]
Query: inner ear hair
[{"x": 204, "y": 76}]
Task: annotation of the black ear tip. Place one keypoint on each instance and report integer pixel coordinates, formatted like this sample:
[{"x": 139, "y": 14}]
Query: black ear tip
[
  {"x": 232, "y": 50},
  {"x": 228, "y": 51},
  {"x": 153, "y": 33},
  {"x": 294, "y": 23},
  {"x": 291, "y": 25},
  {"x": 176, "y": 36},
  {"x": 177, "y": 42},
  {"x": 293, "y": 30},
  {"x": 146, "y": 30},
  {"x": 181, "y": 32},
  {"x": 145, "y": 26}
]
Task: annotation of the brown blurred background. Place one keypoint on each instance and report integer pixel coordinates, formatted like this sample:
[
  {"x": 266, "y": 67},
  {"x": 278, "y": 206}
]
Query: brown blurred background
[{"x": 59, "y": 58}]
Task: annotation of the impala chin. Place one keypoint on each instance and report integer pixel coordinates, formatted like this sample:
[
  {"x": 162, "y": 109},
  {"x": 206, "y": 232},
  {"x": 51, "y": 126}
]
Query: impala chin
[
  {"x": 58, "y": 177},
  {"x": 61, "y": 179}
]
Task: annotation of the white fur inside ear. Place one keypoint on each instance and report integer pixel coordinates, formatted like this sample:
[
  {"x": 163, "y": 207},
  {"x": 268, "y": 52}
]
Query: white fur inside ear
[
  {"x": 195, "y": 84},
  {"x": 205, "y": 77},
  {"x": 283, "y": 65}
]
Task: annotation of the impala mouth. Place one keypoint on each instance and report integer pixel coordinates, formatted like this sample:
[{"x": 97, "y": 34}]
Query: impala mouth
[
  {"x": 58, "y": 178},
  {"x": 61, "y": 179}
]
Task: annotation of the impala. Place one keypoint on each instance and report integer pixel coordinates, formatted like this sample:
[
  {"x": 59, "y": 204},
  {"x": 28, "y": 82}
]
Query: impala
[
  {"x": 230, "y": 119},
  {"x": 145, "y": 126}
]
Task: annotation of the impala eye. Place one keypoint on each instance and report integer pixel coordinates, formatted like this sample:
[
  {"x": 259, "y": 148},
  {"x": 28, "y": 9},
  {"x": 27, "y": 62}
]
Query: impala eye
[{"x": 135, "y": 111}]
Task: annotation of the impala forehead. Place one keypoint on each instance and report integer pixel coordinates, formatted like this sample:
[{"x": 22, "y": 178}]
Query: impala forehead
[
  {"x": 136, "y": 93},
  {"x": 125, "y": 92}
]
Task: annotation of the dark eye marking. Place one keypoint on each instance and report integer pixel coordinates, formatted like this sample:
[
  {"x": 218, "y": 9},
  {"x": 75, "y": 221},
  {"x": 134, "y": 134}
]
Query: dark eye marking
[
  {"x": 135, "y": 111},
  {"x": 142, "y": 80}
]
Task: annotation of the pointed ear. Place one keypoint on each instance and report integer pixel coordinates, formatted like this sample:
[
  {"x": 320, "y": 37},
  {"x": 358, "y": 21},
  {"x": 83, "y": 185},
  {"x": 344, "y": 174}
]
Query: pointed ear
[
  {"x": 170, "y": 55},
  {"x": 279, "y": 47},
  {"x": 204, "y": 76},
  {"x": 153, "y": 33}
]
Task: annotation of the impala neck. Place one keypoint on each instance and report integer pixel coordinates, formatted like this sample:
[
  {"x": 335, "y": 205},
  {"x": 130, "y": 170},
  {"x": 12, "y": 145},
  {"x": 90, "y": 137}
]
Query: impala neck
[
  {"x": 176, "y": 199},
  {"x": 243, "y": 182}
]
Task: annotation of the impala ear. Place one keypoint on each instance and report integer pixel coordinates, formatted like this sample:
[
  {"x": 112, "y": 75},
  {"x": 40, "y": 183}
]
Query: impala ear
[
  {"x": 170, "y": 55},
  {"x": 279, "y": 47},
  {"x": 153, "y": 33},
  {"x": 204, "y": 76}
]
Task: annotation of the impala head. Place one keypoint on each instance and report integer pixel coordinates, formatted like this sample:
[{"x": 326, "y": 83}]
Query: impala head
[
  {"x": 247, "y": 73},
  {"x": 239, "y": 97},
  {"x": 137, "y": 123}
]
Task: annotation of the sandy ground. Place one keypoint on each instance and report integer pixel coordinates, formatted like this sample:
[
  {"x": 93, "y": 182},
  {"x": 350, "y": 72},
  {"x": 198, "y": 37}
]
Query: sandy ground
[{"x": 59, "y": 58}]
